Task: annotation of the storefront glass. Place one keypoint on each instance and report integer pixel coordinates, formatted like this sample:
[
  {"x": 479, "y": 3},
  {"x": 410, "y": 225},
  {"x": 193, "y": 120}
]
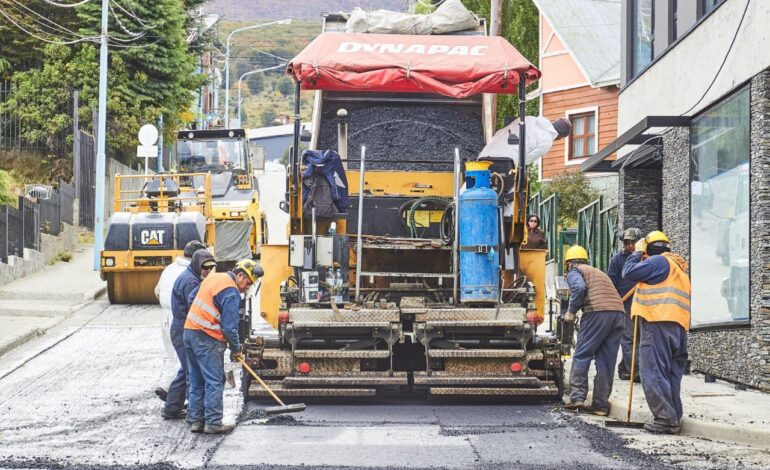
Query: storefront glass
[{"x": 719, "y": 197}]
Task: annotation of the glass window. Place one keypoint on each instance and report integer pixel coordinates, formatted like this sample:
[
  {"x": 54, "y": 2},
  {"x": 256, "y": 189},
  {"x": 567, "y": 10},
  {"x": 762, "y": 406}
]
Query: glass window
[
  {"x": 706, "y": 6},
  {"x": 582, "y": 141},
  {"x": 719, "y": 240},
  {"x": 643, "y": 28},
  {"x": 215, "y": 154}
]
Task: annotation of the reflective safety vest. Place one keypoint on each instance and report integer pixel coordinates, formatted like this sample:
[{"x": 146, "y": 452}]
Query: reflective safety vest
[
  {"x": 668, "y": 300},
  {"x": 203, "y": 315}
]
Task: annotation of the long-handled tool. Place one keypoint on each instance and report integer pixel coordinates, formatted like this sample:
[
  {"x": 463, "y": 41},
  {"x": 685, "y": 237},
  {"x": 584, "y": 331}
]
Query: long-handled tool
[
  {"x": 275, "y": 410},
  {"x": 628, "y": 423}
]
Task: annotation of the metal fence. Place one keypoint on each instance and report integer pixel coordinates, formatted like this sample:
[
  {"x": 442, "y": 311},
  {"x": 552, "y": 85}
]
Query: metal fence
[
  {"x": 597, "y": 229},
  {"x": 21, "y": 227}
]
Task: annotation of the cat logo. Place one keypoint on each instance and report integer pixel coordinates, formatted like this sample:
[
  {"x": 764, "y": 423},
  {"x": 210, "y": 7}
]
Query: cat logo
[{"x": 152, "y": 237}]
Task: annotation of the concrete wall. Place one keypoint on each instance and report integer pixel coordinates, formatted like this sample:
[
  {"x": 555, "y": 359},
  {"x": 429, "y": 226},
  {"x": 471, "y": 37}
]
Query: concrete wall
[
  {"x": 20, "y": 267},
  {"x": 51, "y": 245},
  {"x": 673, "y": 84}
]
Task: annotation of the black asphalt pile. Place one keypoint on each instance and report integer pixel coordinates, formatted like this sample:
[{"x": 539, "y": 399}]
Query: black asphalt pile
[{"x": 407, "y": 133}]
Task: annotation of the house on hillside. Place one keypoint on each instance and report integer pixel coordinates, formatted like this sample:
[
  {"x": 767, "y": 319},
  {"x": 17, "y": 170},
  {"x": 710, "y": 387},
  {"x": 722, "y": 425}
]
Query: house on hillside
[
  {"x": 580, "y": 61},
  {"x": 693, "y": 160}
]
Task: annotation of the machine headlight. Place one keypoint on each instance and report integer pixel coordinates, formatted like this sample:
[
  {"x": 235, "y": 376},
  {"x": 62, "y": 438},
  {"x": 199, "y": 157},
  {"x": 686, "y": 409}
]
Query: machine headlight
[{"x": 109, "y": 262}]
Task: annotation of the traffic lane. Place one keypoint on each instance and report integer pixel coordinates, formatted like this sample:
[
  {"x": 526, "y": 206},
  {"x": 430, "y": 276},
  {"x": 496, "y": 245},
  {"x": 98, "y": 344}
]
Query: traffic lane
[
  {"x": 89, "y": 400},
  {"x": 424, "y": 436}
]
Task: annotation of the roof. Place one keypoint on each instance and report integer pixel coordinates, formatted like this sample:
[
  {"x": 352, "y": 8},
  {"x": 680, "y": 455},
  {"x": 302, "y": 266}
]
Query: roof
[
  {"x": 269, "y": 131},
  {"x": 455, "y": 66},
  {"x": 590, "y": 30}
]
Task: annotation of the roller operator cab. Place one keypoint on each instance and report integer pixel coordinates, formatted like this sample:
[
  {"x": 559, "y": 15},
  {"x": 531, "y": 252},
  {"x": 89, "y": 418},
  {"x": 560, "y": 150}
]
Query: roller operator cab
[
  {"x": 224, "y": 155},
  {"x": 388, "y": 291}
]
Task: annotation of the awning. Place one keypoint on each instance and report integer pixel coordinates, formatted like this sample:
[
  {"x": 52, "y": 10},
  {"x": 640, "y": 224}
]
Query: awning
[
  {"x": 636, "y": 135},
  {"x": 455, "y": 66}
]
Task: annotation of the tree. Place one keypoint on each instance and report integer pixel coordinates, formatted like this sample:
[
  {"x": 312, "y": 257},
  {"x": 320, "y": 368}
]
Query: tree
[
  {"x": 256, "y": 83},
  {"x": 575, "y": 192},
  {"x": 520, "y": 26},
  {"x": 267, "y": 117},
  {"x": 285, "y": 86}
]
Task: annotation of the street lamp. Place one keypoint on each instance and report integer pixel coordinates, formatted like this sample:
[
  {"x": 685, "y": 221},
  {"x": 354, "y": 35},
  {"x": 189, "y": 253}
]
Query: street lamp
[
  {"x": 227, "y": 62},
  {"x": 240, "y": 80}
]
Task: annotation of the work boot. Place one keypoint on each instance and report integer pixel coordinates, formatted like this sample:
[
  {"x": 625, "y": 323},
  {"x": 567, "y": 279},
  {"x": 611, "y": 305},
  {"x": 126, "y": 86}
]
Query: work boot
[
  {"x": 576, "y": 405},
  {"x": 179, "y": 414},
  {"x": 656, "y": 428},
  {"x": 624, "y": 375},
  {"x": 161, "y": 393},
  {"x": 220, "y": 429},
  {"x": 196, "y": 427}
]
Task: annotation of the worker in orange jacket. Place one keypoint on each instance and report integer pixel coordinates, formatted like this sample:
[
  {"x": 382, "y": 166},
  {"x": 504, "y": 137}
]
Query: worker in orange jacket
[
  {"x": 212, "y": 324},
  {"x": 661, "y": 305}
]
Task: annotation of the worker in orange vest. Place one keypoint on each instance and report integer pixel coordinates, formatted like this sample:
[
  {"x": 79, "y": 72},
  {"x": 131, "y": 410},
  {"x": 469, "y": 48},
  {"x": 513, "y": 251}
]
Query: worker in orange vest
[
  {"x": 212, "y": 324},
  {"x": 661, "y": 305}
]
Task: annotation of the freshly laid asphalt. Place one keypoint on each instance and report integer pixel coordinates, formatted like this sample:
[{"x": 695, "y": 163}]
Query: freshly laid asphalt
[{"x": 85, "y": 400}]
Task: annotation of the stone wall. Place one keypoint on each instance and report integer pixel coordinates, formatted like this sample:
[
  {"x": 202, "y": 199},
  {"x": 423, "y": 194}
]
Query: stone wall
[
  {"x": 743, "y": 354},
  {"x": 675, "y": 190},
  {"x": 639, "y": 205},
  {"x": 31, "y": 262},
  {"x": 52, "y": 245}
]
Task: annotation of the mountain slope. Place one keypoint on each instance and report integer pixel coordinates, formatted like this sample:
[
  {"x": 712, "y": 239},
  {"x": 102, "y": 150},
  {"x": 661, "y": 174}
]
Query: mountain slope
[{"x": 249, "y": 10}]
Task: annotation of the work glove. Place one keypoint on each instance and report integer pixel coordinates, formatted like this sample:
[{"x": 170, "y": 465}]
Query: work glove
[
  {"x": 569, "y": 316},
  {"x": 236, "y": 355},
  {"x": 641, "y": 245}
]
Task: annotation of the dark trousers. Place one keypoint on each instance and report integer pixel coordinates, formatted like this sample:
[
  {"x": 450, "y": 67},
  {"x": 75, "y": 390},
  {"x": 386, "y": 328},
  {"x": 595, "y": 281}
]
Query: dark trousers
[
  {"x": 627, "y": 343},
  {"x": 177, "y": 391},
  {"x": 597, "y": 340},
  {"x": 663, "y": 358},
  {"x": 206, "y": 368}
]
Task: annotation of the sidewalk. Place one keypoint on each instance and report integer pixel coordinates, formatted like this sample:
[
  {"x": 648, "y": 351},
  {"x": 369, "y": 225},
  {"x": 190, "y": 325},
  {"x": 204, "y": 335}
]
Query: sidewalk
[
  {"x": 711, "y": 410},
  {"x": 32, "y": 305}
]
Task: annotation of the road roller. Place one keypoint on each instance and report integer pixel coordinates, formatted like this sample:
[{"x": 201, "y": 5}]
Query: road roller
[{"x": 154, "y": 217}]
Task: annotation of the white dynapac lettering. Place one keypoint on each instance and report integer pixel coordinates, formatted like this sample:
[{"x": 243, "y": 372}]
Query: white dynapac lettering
[{"x": 422, "y": 49}]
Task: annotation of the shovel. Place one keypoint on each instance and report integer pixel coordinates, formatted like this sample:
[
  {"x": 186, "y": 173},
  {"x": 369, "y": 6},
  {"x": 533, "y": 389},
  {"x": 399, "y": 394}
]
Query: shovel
[
  {"x": 628, "y": 423},
  {"x": 275, "y": 410}
]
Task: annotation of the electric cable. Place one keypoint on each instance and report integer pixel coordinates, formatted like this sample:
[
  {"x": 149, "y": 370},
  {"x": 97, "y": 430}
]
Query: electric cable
[
  {"x": 40, "y": 38},
  {"x": 724, "y": 59},
  {"x": 67, "y": 5}
]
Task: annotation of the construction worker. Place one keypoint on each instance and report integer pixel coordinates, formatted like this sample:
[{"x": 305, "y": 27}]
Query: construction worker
[
  {"x": 624, "y": 288},
  {"x": 601, "y": 326},
  {"x": 201, "y": 265},
  {"x": 163, "y": 293},
  {"x": 211, "y": 325},
  {"x": 662, "y": 306}
]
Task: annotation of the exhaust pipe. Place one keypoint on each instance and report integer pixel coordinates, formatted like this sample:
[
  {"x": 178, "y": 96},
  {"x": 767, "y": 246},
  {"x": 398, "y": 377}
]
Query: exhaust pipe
[{"x": 342, "y": 136}]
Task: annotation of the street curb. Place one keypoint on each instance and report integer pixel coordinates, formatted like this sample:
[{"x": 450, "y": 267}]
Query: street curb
[
  {"x": 21, "y": 340},
  {"x": 756, "y": 437},
  {"x": 95, "y": 294}
]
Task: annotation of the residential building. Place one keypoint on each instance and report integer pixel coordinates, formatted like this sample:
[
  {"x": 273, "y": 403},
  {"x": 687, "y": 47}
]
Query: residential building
[
  {"x": 272, "y": 141},
  {"x": 694, "y": 146},
  {"x": 580, "y": 61}
]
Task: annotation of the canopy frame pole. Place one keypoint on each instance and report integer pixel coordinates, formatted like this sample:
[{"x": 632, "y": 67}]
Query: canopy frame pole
[{"x": 522, "y": 166}]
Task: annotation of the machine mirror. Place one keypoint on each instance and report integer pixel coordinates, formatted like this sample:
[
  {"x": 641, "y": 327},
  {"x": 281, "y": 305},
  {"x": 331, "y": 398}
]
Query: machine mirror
[
  {"x": 513, "y": 139},
  {"x": 305, "y": 136}
]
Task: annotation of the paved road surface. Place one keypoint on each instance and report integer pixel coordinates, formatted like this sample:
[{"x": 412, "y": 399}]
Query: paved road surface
[{"x": 83, "y": 398}]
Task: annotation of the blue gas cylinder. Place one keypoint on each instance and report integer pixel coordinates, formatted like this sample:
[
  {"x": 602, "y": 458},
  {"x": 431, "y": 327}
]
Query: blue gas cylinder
[{"x": 479, "y": 237}]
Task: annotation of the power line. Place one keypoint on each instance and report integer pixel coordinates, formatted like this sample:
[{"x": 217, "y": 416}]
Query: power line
[
  {"x": 49, "y": 41},
  {"x": 46, "y": 21},
  {"x": 67, "y": 5}
]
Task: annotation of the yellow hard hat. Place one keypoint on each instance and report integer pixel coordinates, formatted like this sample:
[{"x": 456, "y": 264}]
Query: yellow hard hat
[
  {"x": 575, "y": 252},
  {"x": 657, "y": 236},
  {"x": 250, "y": 268}
]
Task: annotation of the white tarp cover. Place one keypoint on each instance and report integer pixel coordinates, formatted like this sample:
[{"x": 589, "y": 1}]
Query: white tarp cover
[
  {"x": 232, "y": 240},
  {"x": 449, "y": 17},
  {"x": 540, "y": 135}
]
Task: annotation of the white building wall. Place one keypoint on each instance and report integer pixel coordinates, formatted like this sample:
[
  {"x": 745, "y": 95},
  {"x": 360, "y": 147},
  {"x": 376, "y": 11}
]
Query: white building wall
[{"x": 677, "y": 80}]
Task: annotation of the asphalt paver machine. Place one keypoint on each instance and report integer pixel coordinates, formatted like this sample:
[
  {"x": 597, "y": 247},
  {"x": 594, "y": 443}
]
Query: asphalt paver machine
[{"x": 397, "y": 294}]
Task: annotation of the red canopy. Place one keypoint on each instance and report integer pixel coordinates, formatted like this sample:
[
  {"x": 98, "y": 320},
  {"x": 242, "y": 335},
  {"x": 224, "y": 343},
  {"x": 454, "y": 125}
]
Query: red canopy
[{"x": 455, "y": 66}]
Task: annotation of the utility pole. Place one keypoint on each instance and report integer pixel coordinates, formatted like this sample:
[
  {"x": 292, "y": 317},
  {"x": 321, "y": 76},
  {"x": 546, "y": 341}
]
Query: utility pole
[
  {"x": 495, "y": 23},
  {"x": 101, "y": 134}
]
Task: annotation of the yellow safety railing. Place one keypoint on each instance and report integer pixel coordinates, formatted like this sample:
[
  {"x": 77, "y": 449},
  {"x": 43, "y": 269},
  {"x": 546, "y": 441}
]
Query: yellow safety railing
[{"x": 188, "y": 197}]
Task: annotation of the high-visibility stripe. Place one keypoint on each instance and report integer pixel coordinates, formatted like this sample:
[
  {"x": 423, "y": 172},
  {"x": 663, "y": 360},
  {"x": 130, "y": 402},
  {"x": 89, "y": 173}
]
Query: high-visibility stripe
[
  {"x": 196, "y": 319},
  {"x": 662, "y": 301},
  {"x": 211, "y": 311},
  {"x": 663, "y": 290}
]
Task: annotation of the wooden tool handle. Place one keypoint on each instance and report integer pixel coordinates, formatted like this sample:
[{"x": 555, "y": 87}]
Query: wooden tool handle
[
  {"x": 633, "y": 369},
  {"x": 261, "y": 382}
]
